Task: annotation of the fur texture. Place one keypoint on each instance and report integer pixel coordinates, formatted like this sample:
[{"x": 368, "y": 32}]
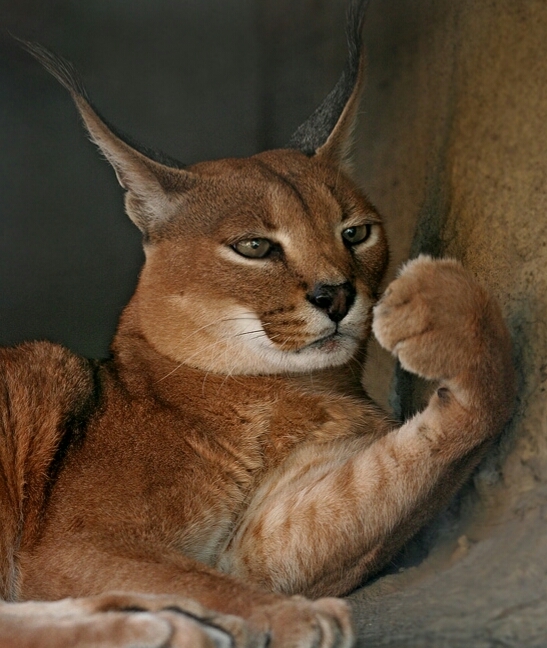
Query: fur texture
[{"x": 227, "y": 452}]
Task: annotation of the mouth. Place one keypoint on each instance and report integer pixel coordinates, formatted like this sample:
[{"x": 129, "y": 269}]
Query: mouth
[{"x": 329, "y": 343}]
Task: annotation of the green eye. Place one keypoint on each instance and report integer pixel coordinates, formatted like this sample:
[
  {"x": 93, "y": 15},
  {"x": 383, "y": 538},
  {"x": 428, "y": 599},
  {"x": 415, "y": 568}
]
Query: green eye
[
  {"x": 357, "y": 234},
  {"x": 256, "y": 248}
]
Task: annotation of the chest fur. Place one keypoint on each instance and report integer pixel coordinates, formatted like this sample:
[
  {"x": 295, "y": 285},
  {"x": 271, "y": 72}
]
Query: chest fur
[{"x": 181, "y": 477}]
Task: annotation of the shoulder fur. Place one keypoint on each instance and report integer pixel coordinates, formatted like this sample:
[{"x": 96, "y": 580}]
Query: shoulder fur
[{"x": 46, "y": 393}]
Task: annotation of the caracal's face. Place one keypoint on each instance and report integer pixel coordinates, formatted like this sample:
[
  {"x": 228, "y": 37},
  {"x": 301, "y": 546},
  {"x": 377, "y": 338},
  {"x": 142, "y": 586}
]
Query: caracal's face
[
  {"x": 269, "y": 264},
  {"x": 262, "y": 265}
]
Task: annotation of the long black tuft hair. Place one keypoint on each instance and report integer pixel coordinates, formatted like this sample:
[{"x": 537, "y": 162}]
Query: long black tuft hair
[
  {"x": 67, "y": 75},
  {"x": 315, "y": 131}
]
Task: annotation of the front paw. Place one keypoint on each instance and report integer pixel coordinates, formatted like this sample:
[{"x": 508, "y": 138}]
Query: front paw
[
  {"x": 118, "y": 621},
  {"x": 300, "y": 623},
  {"x": 438, "y": 321}
]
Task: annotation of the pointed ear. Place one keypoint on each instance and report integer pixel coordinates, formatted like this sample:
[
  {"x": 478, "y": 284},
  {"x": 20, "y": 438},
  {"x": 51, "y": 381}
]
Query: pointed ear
[
  {"x": 150, "y": 179},
  {"x": 328, "y": 131}
]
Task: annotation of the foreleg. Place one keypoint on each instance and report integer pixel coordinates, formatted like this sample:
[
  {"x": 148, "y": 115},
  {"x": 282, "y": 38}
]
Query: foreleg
[
  {"x": 334, "y": 514},
  {"x": 246, "y": 614}
]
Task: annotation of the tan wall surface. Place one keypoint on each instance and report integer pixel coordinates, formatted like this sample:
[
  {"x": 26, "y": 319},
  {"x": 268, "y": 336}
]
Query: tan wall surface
[{"x": 453, "y": 151}]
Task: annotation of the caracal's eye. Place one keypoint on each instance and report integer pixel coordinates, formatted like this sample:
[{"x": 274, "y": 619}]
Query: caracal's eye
[
  {"x": 256, "y": 248},
  {"x": 356, "y": 234}
]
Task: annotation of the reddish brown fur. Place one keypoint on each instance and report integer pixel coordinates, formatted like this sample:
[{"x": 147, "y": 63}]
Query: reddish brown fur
[{"x": 227, "y": 452}]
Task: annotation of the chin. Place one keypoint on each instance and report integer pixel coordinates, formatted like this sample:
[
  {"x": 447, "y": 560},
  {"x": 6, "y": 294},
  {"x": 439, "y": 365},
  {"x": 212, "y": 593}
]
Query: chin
[{"x": 329, "y": 352}]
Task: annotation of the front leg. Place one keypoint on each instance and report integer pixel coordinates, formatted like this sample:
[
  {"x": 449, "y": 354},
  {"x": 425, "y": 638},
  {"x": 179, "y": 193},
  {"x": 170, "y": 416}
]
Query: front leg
[
  {"x": 335, "y": 513},
  {"x": 216, "y": 610},
  {"x": 117, "y": 620}
]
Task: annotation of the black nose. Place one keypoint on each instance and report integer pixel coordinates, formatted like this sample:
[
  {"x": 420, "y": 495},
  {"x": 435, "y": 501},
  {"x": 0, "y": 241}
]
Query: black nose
[{"x": 334, "y": 299}]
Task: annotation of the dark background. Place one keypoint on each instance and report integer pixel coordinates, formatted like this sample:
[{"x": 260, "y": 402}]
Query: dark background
[{"x": 198, "y": 79}]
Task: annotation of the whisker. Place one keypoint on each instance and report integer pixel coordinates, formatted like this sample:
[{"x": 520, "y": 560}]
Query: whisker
[
  {"x": 171, "y": 372},
  {"x": 221, "y": 320},
  {"x": 205, "y": 348},
  {"x": 255, "y": 333},
  {"x": 249, "y": 332},
  {"x": 203, "y": 383},
  {"x": 238, "y": 319},
  {"x": 186, "y": 360},
  {"x": 260, "y": 335}
]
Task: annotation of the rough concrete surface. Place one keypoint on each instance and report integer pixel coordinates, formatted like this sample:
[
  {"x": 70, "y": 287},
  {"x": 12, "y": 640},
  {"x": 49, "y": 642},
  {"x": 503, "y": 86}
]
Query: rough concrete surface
[{"x": 453, "y": 151}]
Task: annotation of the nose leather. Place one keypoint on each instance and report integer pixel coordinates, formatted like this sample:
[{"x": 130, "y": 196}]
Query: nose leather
[{"x": 334, "y": 299}]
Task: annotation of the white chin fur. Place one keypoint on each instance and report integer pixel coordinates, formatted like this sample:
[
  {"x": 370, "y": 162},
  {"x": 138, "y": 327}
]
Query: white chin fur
[
  {"x": 266, "y": 358},
  {"x": 252, "y": 352}
]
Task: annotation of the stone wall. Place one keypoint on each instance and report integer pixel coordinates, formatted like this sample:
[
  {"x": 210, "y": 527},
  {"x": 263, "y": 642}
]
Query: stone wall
[{"x": 453, "y": 151}]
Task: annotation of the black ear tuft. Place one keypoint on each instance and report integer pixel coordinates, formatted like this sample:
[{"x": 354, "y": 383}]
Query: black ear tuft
[
  {"x": 333, "y": 119},
  {"x": 151, "y": 179},
  {"x": 67, "y": 75},
  {"x": 58, "y": 67}
]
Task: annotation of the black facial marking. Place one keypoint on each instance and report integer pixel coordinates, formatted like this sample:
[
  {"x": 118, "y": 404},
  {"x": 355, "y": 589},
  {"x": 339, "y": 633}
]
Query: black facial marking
[
  {"x": 288, "y": 183},
  {"x": 280, "y": 310}
]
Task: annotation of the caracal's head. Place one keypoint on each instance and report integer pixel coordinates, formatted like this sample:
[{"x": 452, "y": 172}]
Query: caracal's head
[{"x": 259, "y": 265}]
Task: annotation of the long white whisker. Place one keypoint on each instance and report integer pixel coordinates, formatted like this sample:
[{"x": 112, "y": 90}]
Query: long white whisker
[
  {"x": 221, "y": 320},
  {"x": 249, "y": 332},
  {"x": 205, "y": 348},
  {"x": 186, "y": 360}
]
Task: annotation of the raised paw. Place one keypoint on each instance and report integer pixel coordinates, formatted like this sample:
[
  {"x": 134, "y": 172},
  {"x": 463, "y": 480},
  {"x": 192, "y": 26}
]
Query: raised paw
[
  {"x": 440, "y": 323},
  {"x": 300, "y": 623}
]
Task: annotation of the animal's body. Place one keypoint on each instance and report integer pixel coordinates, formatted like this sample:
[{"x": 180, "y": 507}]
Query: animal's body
[{"x": 227, "y": 452}]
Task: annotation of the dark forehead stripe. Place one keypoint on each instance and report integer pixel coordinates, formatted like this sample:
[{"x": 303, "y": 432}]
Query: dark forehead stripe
[
  {"x": 346, "y": 206},
  {"x": 285, "y": 181},
  {"x": 351, "y": 203}
]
